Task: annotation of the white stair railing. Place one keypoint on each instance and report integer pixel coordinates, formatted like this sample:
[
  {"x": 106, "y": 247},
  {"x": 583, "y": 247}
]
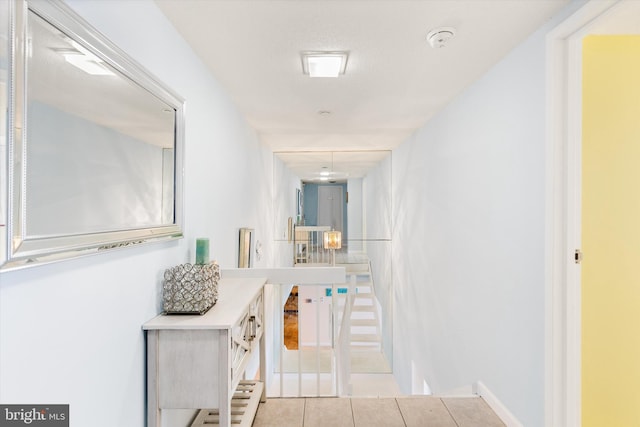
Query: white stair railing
[
  {"x": 308, "y": 246},
  {"x": 343, "y": 345},
  {"x": 328, "y": 359}
]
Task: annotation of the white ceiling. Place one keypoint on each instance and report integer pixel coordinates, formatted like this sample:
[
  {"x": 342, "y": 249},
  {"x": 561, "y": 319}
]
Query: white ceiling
[
  {"x": 331, "y": 166},
  {"x": 623, "y": 18},
  {"x": 394, "y": 81}
]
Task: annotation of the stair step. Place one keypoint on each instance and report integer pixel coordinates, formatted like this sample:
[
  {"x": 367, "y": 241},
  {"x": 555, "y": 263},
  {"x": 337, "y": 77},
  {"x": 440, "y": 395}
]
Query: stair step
[
  {"x": 369, "y": 308},
  {"x": 356, "y": 267},
  {"x": 364, "y": 314},
  {"x": 364, "y": 322},
  {"x": 360, "y": 277},
  {"x": 364, "y": 330},
  {"x": 363, "y": 303},
  {"x": 365, "y": 337},
  {"x": 366, "y": 347}
]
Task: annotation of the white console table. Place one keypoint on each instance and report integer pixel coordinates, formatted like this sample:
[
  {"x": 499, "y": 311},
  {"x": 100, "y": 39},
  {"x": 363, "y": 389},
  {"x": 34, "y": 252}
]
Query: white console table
[{"x": 197, "y": 362}]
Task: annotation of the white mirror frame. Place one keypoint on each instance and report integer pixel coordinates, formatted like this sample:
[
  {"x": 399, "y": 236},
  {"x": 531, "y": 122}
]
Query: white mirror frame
[{"x": 19, "y": 250}]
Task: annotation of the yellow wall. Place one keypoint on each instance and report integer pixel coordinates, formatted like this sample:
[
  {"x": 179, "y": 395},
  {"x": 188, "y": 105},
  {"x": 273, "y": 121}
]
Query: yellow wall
[{"x": 611, "y": 232}]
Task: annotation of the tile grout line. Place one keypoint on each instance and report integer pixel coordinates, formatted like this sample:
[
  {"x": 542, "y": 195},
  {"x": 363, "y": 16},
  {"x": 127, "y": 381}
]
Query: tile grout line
[
  {"x": 400, "y": 410},
  {"x": 304, "y": 409},
  {"x": 353, "y": 416},
  {"x": 449, "y": 411}
]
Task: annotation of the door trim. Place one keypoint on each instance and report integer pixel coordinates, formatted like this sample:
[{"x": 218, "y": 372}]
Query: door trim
[{"x": 563, "y": 214}]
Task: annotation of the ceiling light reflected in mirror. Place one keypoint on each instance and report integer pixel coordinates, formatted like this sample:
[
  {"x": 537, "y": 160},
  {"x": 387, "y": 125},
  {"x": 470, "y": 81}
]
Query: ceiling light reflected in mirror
[
  {"x": 87, "y": 64},
  {"x": 81, "y": 58}
]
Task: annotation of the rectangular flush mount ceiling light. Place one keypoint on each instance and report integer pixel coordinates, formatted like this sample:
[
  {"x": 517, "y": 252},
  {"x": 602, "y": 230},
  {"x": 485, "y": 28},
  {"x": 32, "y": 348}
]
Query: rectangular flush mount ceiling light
[{"x": 324, "y": 64}]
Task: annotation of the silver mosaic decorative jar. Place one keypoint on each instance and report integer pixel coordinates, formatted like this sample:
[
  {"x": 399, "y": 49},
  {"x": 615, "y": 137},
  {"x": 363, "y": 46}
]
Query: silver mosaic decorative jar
[{"x": 190, "y": 288}]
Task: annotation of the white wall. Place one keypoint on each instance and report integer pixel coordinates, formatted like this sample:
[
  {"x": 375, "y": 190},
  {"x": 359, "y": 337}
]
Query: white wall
[
  {"x": 355, "y": 215},
  {"x": 314, "y": 318},
  {"x": 71, "y": 332},
  {"x": 285, "y": 197},
  {"x": 377, "y": 201},
  {"x": 61, "y": 168},
  {"x": 468, "y": 239},
  {"x": 377, "y": 223}
]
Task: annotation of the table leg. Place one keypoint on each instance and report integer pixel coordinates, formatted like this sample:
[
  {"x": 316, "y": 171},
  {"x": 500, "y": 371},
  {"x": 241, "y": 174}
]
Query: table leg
[{"x": 153, "y": 410}]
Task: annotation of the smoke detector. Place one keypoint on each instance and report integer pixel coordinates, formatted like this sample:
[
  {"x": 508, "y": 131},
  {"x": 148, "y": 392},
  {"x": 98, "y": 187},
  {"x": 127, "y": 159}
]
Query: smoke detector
[{"x": 440, "y": 36}]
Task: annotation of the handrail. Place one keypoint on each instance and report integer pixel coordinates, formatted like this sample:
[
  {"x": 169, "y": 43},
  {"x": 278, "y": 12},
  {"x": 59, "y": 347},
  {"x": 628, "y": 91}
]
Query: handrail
[
  {"x": 279, "y": 281},
  {"x": 288, "y": 275},
  {"x": 313, "y": 228},
  {"x": 343, "y": 359},
  {"x": 307, "y": 245}
]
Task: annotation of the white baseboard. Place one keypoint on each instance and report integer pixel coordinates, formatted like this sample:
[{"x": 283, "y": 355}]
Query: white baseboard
[{"x": 498, "y": 407}]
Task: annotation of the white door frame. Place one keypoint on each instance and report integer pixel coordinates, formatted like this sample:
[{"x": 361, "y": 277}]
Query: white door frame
[{"x": 563, "y": 214}]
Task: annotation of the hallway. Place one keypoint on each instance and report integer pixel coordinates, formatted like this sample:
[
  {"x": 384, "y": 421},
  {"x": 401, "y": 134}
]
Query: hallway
[
  {"x": 458, "y": 222},
  {"x": 377, "y": 412}
]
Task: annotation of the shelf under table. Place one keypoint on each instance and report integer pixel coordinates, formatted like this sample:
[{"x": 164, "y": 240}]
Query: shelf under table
[{"x": 244, "y": 406}]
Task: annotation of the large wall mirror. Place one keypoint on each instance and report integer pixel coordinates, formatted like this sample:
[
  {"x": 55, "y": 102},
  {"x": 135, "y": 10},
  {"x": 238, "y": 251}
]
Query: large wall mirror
[{"x": 92, "y": 153}]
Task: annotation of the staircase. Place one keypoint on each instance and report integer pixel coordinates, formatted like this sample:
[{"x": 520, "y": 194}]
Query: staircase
[{"x": 365, "y": 317}]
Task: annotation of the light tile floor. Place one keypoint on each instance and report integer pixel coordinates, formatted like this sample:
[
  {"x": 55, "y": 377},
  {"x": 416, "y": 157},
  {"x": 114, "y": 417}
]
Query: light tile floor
[
  {"x": 362, "y": 385},
  {"x": 420, "y": 411}
]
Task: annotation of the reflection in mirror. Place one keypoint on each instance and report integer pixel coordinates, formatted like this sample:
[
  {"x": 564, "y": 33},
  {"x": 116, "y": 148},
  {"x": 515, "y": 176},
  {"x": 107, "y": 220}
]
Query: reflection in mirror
[
  {"x": 346, "y": 191},
  {"x": 326, "y": 166},
  {"x": 365, "y": 179},
  {"x": 95, "y": 160},
  {"x": 99, "y": 153}
]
